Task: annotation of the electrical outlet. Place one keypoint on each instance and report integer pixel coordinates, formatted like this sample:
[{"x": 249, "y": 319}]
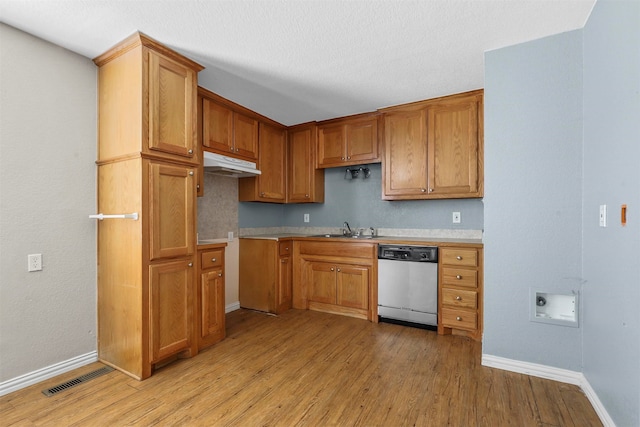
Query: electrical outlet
[
  {"x": 306, "y": 217},
  {"x": 34, "y": 262},
  {"x": 603, "y": 215},
  {"x": 456, "y": 217},
  {"x": 230, "y": 236}
]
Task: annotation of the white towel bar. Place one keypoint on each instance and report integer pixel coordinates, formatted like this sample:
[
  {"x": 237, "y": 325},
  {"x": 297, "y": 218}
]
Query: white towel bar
[{"x": 100, "y": 216}]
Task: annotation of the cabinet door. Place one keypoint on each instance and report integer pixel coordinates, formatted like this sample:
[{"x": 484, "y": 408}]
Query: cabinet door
[
  {"x": 171, "y": 210},
  {"x": 453, "y": 148},
  {"x": 362, "y": 140},
  {"x": 353, "y": 286},
  {"x": 272, "y": 163},
  {"x": 171, "y": 307},
  {"x": 331, "y": 146},
  {"x": 322, "y": 282},
  {"x": 211, "y": 307},
  {"x": 302, "y": 174},
  {"x": 245, "y": 136},
  {"x": 405, "y": 166},
  {"x": 217, "y": 127},
  {"x": 172, "y": 106},
  {"x": 285, "y": 285}
]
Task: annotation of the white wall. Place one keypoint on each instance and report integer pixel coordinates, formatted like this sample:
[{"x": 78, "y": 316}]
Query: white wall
[
  {"x": 533, "y": 201},
  {"x": 48, "y": 125},
  {"x": 611, "y": 255}
]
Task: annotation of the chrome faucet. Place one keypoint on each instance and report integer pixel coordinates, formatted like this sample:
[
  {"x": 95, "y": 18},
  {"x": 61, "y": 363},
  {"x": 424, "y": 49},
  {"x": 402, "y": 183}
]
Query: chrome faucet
[{"x": 348, "y": 231}]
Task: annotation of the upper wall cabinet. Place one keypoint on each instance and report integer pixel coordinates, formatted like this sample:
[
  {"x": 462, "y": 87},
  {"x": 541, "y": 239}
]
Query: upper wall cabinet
[
  {"x": 226, "y": 130},
  {"x": 271, "y": 184},
  {"x": 165, "y": 113},
  {"x": 348, "y": 141},
  {"x": 434, "y": 149},
  {"x": 305, "y": 183}
]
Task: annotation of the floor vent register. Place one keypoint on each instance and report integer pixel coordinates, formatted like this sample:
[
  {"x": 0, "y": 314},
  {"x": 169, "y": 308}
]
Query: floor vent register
[{"x": 74, "y": 382}]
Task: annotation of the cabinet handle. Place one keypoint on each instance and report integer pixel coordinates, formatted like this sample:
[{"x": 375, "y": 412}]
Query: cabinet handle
[
  {"x": 190, "y": 173},
  {"x": 338, "y": 270},
  {"x": 458, "y": 318},
  {"x": 262, "y": 194},
  {"x": 237, "y": 149},
  {"x": 348, "y": 157},
  {"x": 198, "y": 186},
  {"x": 332, "y": 269},
  {"x": 458, "y": 277},
  {"x": 190, "y": 264},
  {"x": 190, "y": 151},
  {"x": 213, "y": 259},
  {"x": 424, "y": 190},
  {"x": 219, "y": 274},
  {"x": 458, "y": 298},
  {"x": 459, "y": 258},
  {"x": 341, "y": 158},
  {"x": 431, "y": 190},
  {"x": 306, "y": 196},
  {"x": 286, "y": 249},
  {"x": 284, "y": 261}
]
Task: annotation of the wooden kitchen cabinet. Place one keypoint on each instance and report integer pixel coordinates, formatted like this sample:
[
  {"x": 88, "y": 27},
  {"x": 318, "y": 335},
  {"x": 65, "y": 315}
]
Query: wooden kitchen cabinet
[
  {"x": 337, "y": 278},
  {"x": 271, "y": 184},
  {"x": 226, "y": 130},
  {"x": 266, "y": 274},
  {"x": 434, "y": 149},
  {"x": 347, "y": 141},
  {"x": 305, "y": 183},
  {"x": 147, "y": 165},
  {"x": 210, "y": 296},
  {"x": 460, "y": 293}
]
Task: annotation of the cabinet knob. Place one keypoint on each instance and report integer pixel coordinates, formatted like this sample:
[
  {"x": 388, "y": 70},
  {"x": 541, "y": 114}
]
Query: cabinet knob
[
  {"x": 338, "y": 269},
  {"x": 262, "y": 194},
  {"x": 306, "y": 196},
  {"x": 286, "y": 249},
  {"x": 341, "y": 158},
  {"x": 198, "y": 186},
  {"x": 284, "y": 261},
  {"x": 219, "y": 274},
  {"x": 190, "y": 264},
  {"x": 348, "y": 157},
  {"x": 424, "y": 190},
  {"x": 458, "y": 277},
  {"x": 458, "y": 318},
  {"x": 190, "y": 173},
  {"x": 431, "y": 190},
  {"x": 214, "y": 259},
  {"x": 458, "y": 298},
  {"x": 459, "y": 258},
  {"x": 332, "y": 269},
  {"x": 237, "y": 149},
  {"x": 190, "y": 151}
]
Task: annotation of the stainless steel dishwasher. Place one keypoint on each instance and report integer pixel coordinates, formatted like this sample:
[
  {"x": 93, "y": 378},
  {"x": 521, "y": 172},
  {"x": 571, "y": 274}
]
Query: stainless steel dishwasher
[{"x": 408, "y": 285}]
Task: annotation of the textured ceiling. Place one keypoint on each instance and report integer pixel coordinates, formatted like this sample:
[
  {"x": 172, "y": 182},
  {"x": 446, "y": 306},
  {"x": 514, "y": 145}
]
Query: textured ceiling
[{"x": 299, "y": 60}]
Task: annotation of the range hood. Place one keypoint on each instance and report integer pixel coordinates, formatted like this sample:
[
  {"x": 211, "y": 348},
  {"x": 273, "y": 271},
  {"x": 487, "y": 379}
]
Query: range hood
[{"x": 228, "y": 166}]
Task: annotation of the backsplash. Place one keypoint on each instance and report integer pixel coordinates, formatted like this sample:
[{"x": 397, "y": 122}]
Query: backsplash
[{"x": 218, "y": 208}]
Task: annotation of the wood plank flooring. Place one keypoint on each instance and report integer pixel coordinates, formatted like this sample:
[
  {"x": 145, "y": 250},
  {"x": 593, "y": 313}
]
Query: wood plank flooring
[{"x": 305, "y": 368}]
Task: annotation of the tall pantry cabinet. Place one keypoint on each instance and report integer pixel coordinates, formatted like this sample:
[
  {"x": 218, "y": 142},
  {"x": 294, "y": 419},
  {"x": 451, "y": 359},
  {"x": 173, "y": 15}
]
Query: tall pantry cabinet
[{"x": 147, "y": 163}]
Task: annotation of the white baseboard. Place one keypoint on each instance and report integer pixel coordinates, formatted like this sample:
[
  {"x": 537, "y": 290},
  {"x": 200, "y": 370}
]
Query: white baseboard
[
  {"x": 45, "y": 373},
  {"x": 232, "y": 307},
  {"x": 551, "y": 373}
]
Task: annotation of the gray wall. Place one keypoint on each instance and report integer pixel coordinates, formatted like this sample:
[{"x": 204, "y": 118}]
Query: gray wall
[
  {"x": 611, "y": 255},
  {"x": 47, "y": 190},
  {"x": 359, "y": 202},
  {"x": 533, "y": 217}
]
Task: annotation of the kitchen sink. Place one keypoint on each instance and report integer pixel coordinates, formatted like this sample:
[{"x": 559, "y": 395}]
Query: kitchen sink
[{"x": 342, "y": 236}]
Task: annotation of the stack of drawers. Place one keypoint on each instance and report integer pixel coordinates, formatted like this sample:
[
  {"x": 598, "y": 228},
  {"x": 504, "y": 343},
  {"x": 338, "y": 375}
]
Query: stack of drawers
[{"x": 460, "y": 291}]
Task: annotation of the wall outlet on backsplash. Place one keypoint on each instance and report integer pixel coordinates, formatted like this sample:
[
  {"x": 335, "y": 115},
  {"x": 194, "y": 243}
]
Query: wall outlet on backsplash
[{"x": 230, "y": 236}]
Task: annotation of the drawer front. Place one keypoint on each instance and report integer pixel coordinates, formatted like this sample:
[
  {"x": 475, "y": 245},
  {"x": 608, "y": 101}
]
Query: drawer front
[
  {"x": 285, "y": 248},
  {"x": 460, "y": 277},
  {"x": 456, "y": 256},
  {"x": 459, "y": 298},
  {"x": 459, "y": 319},
  {"x": 211, "y": 259}
]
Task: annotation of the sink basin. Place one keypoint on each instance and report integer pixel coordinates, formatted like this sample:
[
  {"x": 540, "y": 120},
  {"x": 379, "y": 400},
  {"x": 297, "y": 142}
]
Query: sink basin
[{"x": 342, "y": 236}]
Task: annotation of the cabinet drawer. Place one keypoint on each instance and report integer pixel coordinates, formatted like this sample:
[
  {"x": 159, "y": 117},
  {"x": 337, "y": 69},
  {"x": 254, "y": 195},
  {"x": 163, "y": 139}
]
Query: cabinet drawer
[
  {"x": 459, "y": 298},
  {"x": 459, "y": 319},
  {"x": 212, "y": 259},
  {"x": 460, "y": 277},
  {"x": 455, "y": 256},
  {"x": 285, "y": 248}
]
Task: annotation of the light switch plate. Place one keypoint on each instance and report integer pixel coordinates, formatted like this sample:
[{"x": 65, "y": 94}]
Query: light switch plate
[{"x": 603, "y": 215}]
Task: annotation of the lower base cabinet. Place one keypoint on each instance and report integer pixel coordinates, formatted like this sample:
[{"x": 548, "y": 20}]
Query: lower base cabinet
[
  {"x": 336, "y": 278},
  {"x": 460, "y": 292},
  {"x": 211, "y": 303},
  {"x": 266, "y": 274}
]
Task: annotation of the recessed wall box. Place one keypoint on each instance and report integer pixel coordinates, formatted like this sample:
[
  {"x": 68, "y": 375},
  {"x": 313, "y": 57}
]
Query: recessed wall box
[{"x": 557, "y": 309}]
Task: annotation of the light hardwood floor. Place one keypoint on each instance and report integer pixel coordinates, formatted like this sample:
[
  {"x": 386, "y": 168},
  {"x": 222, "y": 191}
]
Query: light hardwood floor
[{"x": 311, "y": 369}]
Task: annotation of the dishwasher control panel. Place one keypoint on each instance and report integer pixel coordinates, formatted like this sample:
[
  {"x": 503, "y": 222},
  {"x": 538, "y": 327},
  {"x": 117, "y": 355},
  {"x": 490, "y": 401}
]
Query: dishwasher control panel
[{"x": 408, "y": 253}]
